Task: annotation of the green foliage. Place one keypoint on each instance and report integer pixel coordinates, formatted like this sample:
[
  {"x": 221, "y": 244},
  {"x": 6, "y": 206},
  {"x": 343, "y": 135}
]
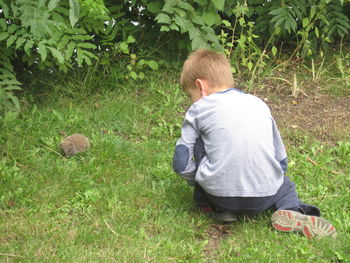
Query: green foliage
[
  {"x": 195, "y": 18},
  {"x": 41, "y": 34},
  {"x": 53, "y": 34},
  {"x": 8, "y": 84},
  {"x": 250, "y": 31}
]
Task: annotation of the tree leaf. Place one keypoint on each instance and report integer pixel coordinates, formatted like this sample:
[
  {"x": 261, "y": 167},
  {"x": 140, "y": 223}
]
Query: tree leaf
[
  {"x": 198, "y": 20},
  {"x": 11, "y": 40},
  {"x": 250, "y": 65},
  {"x": 3, "y": 24},
  {"x": 180, "y": 12},
  {"x": 53, "y": 4},
  {"x": 124, "y": 47},
  {"x": 3, "y": 36},
  {"x": 130, "y": 39},
  {"x": 73, "y": 12},
  {"x": 4, "y": 8},
  {"x": 153, "y": 64},
  {"x": 274, "y": 50},
  {"x": 20, "y": 41},
  {"x": 211, "y": 18},
  {"x": 226, "y": 23},
  {"x": 194, "y": 33},
  {"x": 305, "y": 22},
  {"x": 211, "y": 37},
  {"x": 133, "y": 75},
  {"x": 199, "y": 42},
  {"x": 201, "y": 2},
  {"x": 164, "y": 29},
  {"x": 219, "y": 4},
  {"x": 184, "y": 24},
  {"x": 154, "y": 7},
  {"x": 174, "y": 27},
  {"x": 163, "y": 18},
  {"x": 185, "y": 6},
  {"x": 317, "y": 33}
]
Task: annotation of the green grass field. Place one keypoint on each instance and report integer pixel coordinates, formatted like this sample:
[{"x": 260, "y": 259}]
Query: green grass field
[{"x": 121, "y": 201}]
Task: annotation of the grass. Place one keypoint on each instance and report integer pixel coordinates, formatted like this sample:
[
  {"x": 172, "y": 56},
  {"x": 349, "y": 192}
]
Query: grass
[{"x": 121, "y": 201}]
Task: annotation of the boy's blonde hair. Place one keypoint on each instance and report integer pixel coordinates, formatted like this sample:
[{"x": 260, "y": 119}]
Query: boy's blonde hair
[{"x": 208, "y": 65}]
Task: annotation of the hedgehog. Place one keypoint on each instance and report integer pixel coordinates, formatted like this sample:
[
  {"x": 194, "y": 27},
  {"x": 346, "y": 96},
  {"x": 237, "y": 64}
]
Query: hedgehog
[{"x": 74, "y": 144}]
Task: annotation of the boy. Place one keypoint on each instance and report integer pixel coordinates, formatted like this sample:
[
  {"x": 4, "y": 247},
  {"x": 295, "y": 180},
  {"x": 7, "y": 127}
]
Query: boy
[{"x": 231, "y": 151}]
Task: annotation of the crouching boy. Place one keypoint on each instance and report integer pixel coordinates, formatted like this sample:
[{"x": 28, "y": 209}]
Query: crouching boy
[{"x": 232, "y": 153}]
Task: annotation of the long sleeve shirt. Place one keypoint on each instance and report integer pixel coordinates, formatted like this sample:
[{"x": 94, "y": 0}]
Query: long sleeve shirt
[{"x": 245, "y": 155}]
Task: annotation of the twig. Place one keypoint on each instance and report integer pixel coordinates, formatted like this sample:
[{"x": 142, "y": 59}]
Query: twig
[
  {"x": 115, "y": 233},
  {"x": 9, "y": 255},
  {"x": 312, "y": 161},
  {"x": 110, "y": 228}
]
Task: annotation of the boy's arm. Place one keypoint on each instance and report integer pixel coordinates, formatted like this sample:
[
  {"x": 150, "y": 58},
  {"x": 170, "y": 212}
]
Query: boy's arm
[
  {"x": 280, "y": 151},
  {"x": 183, "y": 162}
]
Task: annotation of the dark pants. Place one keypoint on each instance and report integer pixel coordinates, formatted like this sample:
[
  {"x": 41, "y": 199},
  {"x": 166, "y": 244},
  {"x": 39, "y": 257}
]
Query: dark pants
[{"x": 286, "y": 197}]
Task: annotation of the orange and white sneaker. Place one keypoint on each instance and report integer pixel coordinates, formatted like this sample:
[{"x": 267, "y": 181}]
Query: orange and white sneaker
[{"x": 309, "y": 226}]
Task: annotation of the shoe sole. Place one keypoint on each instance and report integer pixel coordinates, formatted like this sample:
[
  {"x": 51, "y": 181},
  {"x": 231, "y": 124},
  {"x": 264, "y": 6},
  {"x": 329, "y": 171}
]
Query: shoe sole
[
  {"x": 225, "y": 217},
  {"x": 309, "y": 226}
]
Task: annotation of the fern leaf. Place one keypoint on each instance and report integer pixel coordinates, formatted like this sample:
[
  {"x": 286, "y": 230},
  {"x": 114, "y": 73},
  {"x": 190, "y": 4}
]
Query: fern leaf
[
  {"x": 11, "y": 88},
  {"x": 11, "y": 83},
  {"x": 28, "y": 45},
  {"x": 80, "y": 56},
  {"x": 57, "y": 54},
  {"x": 4, "y": 8},
  {"x": 73, "y": 12},
  {"x": 70, "y": 50},
  {"x": 87, "y": 60},
  {"x": 89, "y": 54},
  {"x": 42, "y": 51},
  {"x": 86, "y": 45},
  {"x": 35, "y": 17},
  {"x": 14, "y": 101},
  {"x": 63, "y": 42},
  {"x": 81, "y": 37}
]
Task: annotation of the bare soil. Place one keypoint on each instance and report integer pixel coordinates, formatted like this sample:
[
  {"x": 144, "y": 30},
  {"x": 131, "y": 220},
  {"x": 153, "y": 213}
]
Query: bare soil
[
  {"x": 215, "y": 233},
  {"x": 325, "y": 117}
]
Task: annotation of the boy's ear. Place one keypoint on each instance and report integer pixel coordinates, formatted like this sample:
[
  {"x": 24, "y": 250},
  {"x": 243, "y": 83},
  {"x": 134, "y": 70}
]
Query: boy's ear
[{"x": 202, "y": 86}]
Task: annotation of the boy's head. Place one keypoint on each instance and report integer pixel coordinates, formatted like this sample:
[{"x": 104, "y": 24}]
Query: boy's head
[{"x": 205, "y": 72}]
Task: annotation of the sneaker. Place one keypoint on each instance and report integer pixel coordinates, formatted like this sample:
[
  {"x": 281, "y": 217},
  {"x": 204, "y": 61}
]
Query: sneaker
[
  {"x": 309, "y": 226},
  {"x": 225, "y": 217},
  {"x": 310, "y": 210}
]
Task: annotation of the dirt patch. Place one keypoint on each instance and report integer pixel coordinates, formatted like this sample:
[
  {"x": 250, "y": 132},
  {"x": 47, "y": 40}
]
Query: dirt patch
[
  {"x": 215, "y": 233},
  {"x": 325, "y": 117}
]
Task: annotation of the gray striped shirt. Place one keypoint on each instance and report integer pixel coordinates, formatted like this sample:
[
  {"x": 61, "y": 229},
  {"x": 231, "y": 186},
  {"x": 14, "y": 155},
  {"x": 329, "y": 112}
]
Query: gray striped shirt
[{"x": 245, "y": 155}]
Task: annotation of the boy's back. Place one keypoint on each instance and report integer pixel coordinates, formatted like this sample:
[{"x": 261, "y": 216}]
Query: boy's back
[
  {"x": 243, "y": 147},
  {"x": 230, "y": 150}
]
